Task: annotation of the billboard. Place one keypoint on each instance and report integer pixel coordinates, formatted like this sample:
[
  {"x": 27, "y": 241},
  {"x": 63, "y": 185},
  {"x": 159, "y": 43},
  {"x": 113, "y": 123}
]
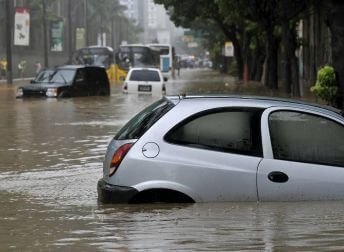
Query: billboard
[
  {"x": 56, "y": 36},
  {"x": 22, "y": 27},
  {"x": 80, "y": 38}
]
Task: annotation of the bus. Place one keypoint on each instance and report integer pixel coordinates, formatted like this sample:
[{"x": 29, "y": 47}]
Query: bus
[
  {"x": 134, "y": 55},
  {"x": 167, "y": 58},
  {"x": 102, "y": 56}
]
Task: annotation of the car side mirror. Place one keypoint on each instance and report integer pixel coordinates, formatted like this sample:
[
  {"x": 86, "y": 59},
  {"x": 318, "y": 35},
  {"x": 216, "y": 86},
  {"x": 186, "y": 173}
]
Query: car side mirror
[
  {"x": 32, "y": 81},
  {"x": 165, "y": 79}
]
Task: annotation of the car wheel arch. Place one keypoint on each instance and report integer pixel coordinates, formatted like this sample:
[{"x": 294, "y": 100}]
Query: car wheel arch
[
  {"x": 167, "y": 186},
  {"x": 64, "y": 94},
  {"x": 159, "y": 195}
]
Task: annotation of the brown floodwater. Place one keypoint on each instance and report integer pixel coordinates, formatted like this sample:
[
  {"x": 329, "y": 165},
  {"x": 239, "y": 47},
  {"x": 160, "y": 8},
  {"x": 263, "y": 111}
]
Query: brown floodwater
[{"x": 51, "y": 154}]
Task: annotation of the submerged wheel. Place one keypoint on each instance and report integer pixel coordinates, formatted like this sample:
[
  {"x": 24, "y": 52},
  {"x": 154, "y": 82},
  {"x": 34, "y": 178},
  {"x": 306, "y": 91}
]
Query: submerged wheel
[
  {"x": 103, "y": 93},
  {"x": 161, "y": 196},
  {"x": 64, "y": 94}
]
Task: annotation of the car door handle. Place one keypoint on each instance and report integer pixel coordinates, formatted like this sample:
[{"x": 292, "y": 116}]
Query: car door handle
[{"x": 278, "y": 177}]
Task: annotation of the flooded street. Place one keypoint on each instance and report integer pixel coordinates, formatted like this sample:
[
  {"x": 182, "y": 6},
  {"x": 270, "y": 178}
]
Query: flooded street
[{"x": 51, "y": 154}]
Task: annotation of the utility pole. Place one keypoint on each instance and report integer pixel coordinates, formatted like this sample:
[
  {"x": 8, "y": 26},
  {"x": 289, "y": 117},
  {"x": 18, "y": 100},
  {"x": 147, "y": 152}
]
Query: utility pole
[
  {"x": 45, "y": 35},
  {"x": 70, "y": 31},
  {"x": 112, "y": 33},
  {"x": 86, "y": 22},
  {"x": 9, "y": 16}
]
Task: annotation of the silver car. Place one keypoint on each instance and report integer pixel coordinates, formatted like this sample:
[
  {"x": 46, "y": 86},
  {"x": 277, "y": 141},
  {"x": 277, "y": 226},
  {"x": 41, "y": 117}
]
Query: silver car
[{"x": 203, "y": 149}]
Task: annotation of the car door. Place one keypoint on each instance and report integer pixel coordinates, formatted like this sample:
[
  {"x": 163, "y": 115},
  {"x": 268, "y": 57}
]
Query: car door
[
  {"x": 215, "y": 153},
  {"x": 303, "y": 156},
  {"x": 93, "y": 81},
  {"x": 80, "y": 84}
]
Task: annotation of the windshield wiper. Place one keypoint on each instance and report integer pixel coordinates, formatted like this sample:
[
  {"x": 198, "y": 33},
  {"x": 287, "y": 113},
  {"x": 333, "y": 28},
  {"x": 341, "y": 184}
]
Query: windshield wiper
[{"x": 63, "y": 78}]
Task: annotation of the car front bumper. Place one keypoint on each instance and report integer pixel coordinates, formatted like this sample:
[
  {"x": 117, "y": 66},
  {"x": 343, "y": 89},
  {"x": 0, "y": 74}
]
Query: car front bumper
[{"x": 108, "y": 193}]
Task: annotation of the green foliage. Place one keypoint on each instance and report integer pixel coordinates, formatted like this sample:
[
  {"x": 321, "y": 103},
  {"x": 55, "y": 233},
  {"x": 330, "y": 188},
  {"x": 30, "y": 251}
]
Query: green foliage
[
  {"x": 326, "y": 86},
  {"x": 233, "y": 68}
]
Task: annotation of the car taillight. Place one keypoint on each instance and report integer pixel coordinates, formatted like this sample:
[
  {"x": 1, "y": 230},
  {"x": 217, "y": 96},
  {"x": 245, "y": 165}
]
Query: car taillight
[
  {"x": 163, "y": 88},
  {"x": 125, "y": 86},
  {"x": 118, "y": 157}
]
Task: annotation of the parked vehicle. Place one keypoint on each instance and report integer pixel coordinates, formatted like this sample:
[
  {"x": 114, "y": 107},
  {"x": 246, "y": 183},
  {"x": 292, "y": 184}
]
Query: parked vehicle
[
  {"x": 135, "y": 55},
  {"x": 67, "y": 81},
  {"x": 102, "y": 56},
  {"x": 203, "y": 149},
  {"x": 145, "y": 81}
]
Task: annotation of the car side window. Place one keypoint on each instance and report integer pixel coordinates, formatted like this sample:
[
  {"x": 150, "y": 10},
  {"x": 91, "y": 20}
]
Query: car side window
[
  {"x": 235, "y": 131},
  {"x": 303, "y": 137}
]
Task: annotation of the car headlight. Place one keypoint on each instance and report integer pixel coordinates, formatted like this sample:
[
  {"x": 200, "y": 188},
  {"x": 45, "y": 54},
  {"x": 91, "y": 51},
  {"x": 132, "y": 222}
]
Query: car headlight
[
  {"x": 51, "y": 92},
  {"x": 20, "y": 92}
]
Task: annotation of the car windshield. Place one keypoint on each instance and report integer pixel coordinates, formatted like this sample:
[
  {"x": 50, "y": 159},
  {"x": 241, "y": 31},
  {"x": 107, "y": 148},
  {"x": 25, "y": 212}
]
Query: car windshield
[
  {"x": 139, "y": 124},
  {"x": 55, "y": 76},
  {"x": 144, "y": 75},
  {"x": 43, "y": 75},
  {"x": 101, "y": 60}
]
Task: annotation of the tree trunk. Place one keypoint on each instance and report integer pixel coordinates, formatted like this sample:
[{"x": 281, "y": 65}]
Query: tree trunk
[
  {"x": 286, "y": 57},
  {"x": 337, "y": 30},
  {"x": 295, "y": 74},
  {"x": 271, "y": 79},
  {"x": 231, "y": 33},
  {"x": 238, "y": 57},
  {"x": 260, "y": 68},
  {"x": 257, "y": 61}
]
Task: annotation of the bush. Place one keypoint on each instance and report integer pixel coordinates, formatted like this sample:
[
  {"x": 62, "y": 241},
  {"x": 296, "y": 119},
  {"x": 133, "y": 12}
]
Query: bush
[{"x": 326, "y": 86}]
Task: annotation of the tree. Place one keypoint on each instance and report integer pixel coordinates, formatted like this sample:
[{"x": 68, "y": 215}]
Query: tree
[
  {"x": 326, "y": 86},
  {"x": 106, "y": 12},
  {"x": 336, "y": 25},
  {"x": 185, "y": 13}
]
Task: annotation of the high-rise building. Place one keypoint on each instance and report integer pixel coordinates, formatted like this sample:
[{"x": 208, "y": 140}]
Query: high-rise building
[
  {"x": 132, "y": 11},
  {"x": 153, "y": 20}
]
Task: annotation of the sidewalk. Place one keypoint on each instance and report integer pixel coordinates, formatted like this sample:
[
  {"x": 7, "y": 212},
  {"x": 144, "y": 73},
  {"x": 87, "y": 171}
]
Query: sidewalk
[{"x": 17, "y": 81}]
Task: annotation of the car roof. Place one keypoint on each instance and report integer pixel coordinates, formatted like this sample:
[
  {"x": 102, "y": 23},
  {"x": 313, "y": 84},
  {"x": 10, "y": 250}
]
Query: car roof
[
  {"x": 260, "y": 101},
  {"x": 76, "y": 67},
  {"x": 144, "y": 68}
]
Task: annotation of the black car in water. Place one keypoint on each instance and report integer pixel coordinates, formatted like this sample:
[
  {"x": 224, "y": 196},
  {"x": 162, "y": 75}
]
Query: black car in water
[{"x": 67, "y": 81}]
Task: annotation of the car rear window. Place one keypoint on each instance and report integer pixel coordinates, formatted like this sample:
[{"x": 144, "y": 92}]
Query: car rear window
[
  {"x": 139, "y": 124},
  {"x": 144, "y": 75}
]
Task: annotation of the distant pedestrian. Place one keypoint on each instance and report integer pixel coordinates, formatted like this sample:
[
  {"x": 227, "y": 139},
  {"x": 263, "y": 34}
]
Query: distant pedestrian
[
  {"x": 38, "y": 67},
  {"x": 178, "y": 67},
  {"x": 21, "y": 68},
  {"x": 3, "y": 68}
]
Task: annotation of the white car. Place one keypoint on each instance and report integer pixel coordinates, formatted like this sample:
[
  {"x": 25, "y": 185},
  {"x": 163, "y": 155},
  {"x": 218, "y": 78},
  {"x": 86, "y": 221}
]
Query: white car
[
  {"x": 145, "y": 81},
  {"x": 202, "y": 149}
]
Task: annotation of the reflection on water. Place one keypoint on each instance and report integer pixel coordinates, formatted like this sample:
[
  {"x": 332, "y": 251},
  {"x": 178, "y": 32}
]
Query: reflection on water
[{"x": 51, "y": 154}]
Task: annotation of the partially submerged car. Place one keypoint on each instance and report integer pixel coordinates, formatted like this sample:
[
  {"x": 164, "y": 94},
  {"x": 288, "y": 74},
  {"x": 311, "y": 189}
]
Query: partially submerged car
[
  {"x": 145, "y": 81},
  {"x": 67, "y": 81},
  {"x": 203, "y": 149}
]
